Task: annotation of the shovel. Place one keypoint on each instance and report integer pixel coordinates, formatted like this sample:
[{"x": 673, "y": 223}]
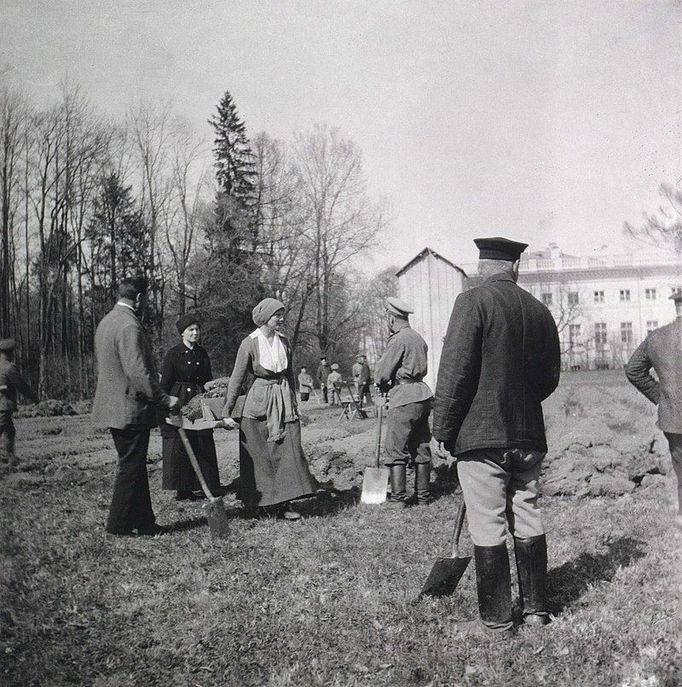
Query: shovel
[
  {"x": 447, "y": 572},
  {"x": 375, "y": 480},
  {"x": 214, "y": 510}
]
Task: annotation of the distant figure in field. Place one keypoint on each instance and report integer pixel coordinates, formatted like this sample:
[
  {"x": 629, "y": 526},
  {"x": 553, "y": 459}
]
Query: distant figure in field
[
  {"x": 500, "y": 359},
  {"x": 662, "y": 351},
  {"x": 334, "y": 380},
  {"x": 361, "y": 378},
  {"x": 400, "y": 373},
  {"x": 127, "y": 390},
  {"x": 10, "y": 382},
  {"x": 322, "y": 374},
  {"x": 305, "y": 384},
  {"x": 186, "y": 372}
]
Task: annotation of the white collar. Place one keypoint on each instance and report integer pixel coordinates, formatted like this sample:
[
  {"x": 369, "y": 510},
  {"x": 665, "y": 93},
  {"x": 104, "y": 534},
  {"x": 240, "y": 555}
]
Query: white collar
[
  {"x": 127, "y": 305},
  {"x": 271, "y": 356}
]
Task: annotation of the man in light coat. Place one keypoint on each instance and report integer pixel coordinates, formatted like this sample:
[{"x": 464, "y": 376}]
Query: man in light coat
[
  {"x": 500, "y": 360},
  {"x": 662, "y": 351},
  {"x": 127, "y": 391}
]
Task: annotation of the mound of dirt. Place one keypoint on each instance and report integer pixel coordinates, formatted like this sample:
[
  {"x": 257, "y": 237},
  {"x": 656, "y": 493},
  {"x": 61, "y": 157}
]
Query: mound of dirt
[
  {"x": 49, "y": 408},
  {"x": 602, "y": 442}
]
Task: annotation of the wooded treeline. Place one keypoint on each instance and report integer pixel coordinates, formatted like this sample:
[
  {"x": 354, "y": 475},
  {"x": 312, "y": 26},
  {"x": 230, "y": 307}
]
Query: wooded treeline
[{"x": 213, "y": 225}]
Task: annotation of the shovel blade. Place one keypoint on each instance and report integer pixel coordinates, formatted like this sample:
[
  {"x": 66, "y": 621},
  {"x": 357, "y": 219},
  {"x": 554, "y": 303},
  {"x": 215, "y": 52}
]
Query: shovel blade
[
  {"x": 374, "y": 485},
  {"x": 444, "y": 576},
  {"x": 217, "y": 518}
]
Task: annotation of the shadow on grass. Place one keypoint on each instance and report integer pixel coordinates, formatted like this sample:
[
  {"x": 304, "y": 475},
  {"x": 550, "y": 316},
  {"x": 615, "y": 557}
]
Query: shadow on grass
[
  {"x": 446, "y": 481},
  {"x": 185, "y": 525},
  {"x": 568, "y": 582}
]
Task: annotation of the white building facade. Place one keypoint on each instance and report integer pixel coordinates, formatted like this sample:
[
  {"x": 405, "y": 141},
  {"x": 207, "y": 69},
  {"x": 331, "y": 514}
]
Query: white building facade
[{"x": 605, "y": 304}]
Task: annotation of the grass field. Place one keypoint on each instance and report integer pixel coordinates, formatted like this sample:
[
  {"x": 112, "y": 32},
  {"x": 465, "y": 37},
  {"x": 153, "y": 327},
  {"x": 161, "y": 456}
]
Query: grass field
[{"x": 329, "y": 600}]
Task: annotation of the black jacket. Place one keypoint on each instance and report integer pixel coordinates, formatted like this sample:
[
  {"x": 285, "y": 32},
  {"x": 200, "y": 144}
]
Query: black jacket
[
  {"x": 185, "y": 371},
  {"x": 500, "y": 359}
]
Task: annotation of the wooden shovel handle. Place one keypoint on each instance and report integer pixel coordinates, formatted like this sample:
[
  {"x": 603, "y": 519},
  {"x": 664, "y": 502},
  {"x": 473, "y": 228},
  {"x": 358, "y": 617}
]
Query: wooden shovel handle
[
  {"x": 459, "y": 521},
  {"x": 377, "y": 450},
  {"x": 195, "y": 462}
]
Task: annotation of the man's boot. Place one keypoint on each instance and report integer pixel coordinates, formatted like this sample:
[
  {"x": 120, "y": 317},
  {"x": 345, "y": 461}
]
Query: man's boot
[
  {"x": 531, "y": 564},
  {"x": 397, "y": 479},
  {"x": 493, "y": 584},
  {"x": 422, "y": 480}
]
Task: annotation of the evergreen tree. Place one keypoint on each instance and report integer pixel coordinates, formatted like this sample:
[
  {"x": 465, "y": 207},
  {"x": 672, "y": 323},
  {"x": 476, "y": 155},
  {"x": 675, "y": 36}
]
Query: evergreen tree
[
  {"x": 232, "y": 279},
  {"x": 234, "y": 161},
  {"x": 119, "y": 239}
]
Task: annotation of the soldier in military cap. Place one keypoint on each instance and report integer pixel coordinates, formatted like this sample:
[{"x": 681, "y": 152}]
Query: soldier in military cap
[
  {"x": 11, "y": 382},
  {"x": 500, "y": 359},
  {"x": 662, "y": 351},
  {"x": 400, "y": 374}
]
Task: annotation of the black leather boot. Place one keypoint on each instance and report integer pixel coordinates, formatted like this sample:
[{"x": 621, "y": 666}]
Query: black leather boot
[
  {"x": 493, "y": 583},
  {"x": 422, "y": 480},
  {"x": 397, "y": 479},
  {"x": 531, "y": 565}
]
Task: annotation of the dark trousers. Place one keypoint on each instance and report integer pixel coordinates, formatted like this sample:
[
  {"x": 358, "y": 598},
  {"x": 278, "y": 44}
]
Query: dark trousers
[
  {"x": 131, "y": 504},
  {"x": 7, "y": 437},
  {"x": 325, "y": 398},
  {"x": 675, "y": 444},
  {"x": 408, "y": 434}
]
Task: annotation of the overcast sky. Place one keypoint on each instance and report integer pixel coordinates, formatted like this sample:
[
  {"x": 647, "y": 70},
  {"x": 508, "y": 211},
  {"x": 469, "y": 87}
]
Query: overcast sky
[{"x": 542, "y": 121}]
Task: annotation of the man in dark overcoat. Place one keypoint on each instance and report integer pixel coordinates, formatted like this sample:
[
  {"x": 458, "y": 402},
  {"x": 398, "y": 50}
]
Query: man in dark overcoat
[
  {"x": 127, "y": 390},
  {"x": 11, "y": 382},
  {"x": 662, "y": 351},
  {"x": 400, "y": 374},
  {"x": 500, "y": 359}
]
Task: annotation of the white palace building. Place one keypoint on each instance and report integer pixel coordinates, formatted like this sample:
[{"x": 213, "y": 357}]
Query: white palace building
[{"x": 604, "y": 304}]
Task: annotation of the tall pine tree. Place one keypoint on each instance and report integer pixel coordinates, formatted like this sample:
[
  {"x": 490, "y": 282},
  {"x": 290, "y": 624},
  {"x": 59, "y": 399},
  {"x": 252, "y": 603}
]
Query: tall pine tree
[
  {"x": 234, "y": 161},
  {"x": 232, "y": 282}
]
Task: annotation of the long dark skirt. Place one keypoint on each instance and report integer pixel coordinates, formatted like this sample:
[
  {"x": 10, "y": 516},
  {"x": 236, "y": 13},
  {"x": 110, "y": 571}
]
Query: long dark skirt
[
  {"x": 177, "y": 470},
  {"x": 272, "y": 472}
]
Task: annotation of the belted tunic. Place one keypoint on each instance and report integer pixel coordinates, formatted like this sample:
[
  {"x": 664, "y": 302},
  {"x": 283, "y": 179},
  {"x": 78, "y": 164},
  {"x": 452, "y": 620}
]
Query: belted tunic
[{"x": 404, "y": 365}]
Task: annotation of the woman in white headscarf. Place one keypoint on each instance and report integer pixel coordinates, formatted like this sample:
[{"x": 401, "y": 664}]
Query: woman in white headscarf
[{"x": 273, "y": 469}]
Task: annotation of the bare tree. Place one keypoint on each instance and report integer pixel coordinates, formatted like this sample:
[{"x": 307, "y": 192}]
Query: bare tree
[
  {"x": 664, "y": 228},
  {"x": 188, "y": 206},
  {"x": 13, "y": 115},
  {"x": 340, "y": 220},
  {"x": 151, "y": 133}
]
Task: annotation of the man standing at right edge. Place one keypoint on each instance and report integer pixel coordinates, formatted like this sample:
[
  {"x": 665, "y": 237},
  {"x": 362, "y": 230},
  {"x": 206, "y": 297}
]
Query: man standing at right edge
[{"x": 500, "y": 359}]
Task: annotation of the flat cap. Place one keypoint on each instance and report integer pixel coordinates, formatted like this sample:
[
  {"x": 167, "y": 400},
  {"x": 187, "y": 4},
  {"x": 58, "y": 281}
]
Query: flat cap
[
  {"x": 7, "y": 344},
  {"x": 335, "y": 366},
  {"x": 498, "y": 248},
  {"x": 677, "y": 294},
  {"x": 397, "y": 307}
]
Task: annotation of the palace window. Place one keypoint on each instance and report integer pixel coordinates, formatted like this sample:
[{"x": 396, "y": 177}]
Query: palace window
[
  {"x": 573, "y": 298},
  {"x": 573, "y": 333},
  {"x": 650, "y": 294},
  {"x": 625, "y": 294},
  {"x": 626, "y": 332},
  {"x": 600, "y": 332},
  {"x": 651, "y": 325},
  {"x": 598, "y": 296},
  {"x": 547, "y": 298}
]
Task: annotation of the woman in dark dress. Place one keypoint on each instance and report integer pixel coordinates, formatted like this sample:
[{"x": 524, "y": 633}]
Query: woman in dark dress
[
  {"x": 273, "y": 469},
  {"x": 186, "y": 371}
]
